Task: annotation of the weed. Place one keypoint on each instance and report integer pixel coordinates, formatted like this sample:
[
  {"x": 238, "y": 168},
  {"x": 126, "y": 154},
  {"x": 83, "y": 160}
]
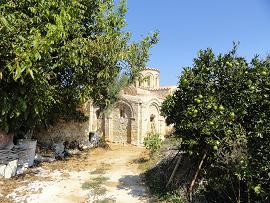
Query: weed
[
  {"x": 146, "y": 163},
  {"x": 96, "y": 185},
  {"x": 100, "y": 191},
  {"x": 102, "y": 169},
  {"x": 100, "y": 179},
  {"x": 174, "y": 197},
  {"x": 156, "y": 167},
  {"x": 88, "y": 185},
  {"x": 99, "y": 171}
]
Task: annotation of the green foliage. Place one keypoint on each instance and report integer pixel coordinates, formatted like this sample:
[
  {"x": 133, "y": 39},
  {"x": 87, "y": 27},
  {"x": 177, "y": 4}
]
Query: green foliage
[
  {"x": 157, "y": 169},
  {"x": 54, "y": 55},
  {"x": 221, "y": 108},
  {"x": 152, "y": 142},
  {"x": 96, "y": 185},
  {"x": 174, "y": 197}
]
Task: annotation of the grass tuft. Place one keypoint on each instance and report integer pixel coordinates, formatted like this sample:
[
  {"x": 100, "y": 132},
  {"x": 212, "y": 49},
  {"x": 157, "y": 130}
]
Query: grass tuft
[
  {"x": 102, "y": 169},
  {"x": 96, "y": 185}
]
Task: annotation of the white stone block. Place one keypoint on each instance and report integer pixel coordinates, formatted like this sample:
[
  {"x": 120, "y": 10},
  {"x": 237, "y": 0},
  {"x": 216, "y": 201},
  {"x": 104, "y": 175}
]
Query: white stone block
[
  {"x": 11, "y": 169},
  {"x": 2, "y": 170}
]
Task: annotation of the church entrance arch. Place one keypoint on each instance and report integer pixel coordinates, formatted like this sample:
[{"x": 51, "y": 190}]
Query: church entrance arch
[
  {"x": 153, "y": 120},
  {"x": 122, "y": 116}
]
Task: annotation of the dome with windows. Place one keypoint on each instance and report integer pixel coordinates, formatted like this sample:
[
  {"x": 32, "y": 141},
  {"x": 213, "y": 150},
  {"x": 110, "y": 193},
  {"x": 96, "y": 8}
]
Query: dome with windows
[{"x": 148, "y": 78}]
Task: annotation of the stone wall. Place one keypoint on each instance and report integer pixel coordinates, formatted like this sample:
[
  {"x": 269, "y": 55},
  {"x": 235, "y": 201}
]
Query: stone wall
[
  {"x": 63, "y": 131},
  {"x": 122, "y": 124},
  {"x": 124, "y": 127},
  {"x": 128, "y": 122},
  {"x": 164, "y": 91},
  {"x": 151, "y": 121}
]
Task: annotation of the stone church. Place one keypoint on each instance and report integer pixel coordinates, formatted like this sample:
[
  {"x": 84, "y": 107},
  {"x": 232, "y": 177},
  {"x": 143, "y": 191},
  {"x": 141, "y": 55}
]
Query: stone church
[
  {"x": 131, "y": 118},
  {"x": 136, "y": 114}
]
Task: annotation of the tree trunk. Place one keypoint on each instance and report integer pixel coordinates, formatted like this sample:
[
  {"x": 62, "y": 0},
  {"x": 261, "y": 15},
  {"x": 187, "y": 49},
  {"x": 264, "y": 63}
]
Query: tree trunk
[
  {"x": 239, "y": 191},
  {"x": 190, "y": 188},
  {"x": 174, "y": 171}
]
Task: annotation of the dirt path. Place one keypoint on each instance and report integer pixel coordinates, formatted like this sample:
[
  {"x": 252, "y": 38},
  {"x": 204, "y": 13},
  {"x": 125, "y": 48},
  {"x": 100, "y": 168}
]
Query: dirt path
[{"x": 96, "y": 176}]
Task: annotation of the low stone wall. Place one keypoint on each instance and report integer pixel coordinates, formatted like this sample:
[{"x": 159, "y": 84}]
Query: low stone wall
[{"x": 63, "y": 131}]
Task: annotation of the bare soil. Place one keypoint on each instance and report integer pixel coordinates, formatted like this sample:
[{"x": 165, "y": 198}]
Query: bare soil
[{"x": 99, "y": 175}]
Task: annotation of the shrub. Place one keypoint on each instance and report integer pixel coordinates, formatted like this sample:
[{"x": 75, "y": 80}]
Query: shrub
[{"x": 152, "y": 142}]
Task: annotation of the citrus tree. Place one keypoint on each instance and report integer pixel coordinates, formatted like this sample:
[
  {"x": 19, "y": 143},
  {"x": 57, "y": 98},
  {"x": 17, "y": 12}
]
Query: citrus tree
[
  {"x": 213, "y": 112},
  {"x": 257, "y": 126},
  {"x": 54, "y": 55}
]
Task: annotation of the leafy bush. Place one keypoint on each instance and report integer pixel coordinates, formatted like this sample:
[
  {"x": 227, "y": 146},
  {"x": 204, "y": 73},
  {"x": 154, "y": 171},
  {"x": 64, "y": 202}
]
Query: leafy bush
[
  {"x": 221, "y": 112},
  {"x": 152, "y": 142},
  {"x": 174, "y": 197}
]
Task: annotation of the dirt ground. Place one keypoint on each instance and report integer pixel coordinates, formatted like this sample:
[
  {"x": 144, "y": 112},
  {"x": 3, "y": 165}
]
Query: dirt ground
[{"x": 99, "y": 175}]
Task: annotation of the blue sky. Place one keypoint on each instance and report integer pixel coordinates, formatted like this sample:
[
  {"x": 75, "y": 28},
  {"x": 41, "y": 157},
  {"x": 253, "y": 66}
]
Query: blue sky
[{"x": 186, "y": 26}]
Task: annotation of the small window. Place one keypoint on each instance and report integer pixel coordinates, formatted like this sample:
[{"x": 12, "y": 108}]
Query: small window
[
  {"x": 148, "y": 82},
  {"x": 152, "y": 123},
  {"x": 152, "y": 117},
  {"x": 98, "y": 113},
  {"x": 122, "y": 112}
]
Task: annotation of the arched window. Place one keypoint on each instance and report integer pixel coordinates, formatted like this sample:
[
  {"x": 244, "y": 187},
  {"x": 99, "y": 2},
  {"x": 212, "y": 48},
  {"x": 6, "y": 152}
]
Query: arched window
[
  {"x": 97, "y": 113},
  {"x": 152, "y": 123},
  {"x": 149, "y": 81},
  {"x": 152, "y": 117},
  {"x": 122, "y": 112}
]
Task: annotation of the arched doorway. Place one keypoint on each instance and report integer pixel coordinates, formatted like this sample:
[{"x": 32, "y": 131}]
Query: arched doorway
[
  {"x": 122, "y": 115},
  {"x": 153, "y": 127},
  {"x": 153, "y": 118}
]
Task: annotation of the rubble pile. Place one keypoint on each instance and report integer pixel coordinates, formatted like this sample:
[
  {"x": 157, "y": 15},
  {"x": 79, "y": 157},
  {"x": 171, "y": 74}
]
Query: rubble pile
[{"x": 15, "y": 159}]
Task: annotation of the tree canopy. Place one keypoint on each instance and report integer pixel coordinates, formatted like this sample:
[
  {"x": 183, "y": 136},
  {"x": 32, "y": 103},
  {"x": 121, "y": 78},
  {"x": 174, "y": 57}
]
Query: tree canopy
[
  {"x": 56, "y": 54},
  {"x": 221, "y": 112}
]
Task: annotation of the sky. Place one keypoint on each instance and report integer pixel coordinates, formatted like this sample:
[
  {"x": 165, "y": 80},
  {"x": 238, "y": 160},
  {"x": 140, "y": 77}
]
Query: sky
[{"x": 186, "y": 26}]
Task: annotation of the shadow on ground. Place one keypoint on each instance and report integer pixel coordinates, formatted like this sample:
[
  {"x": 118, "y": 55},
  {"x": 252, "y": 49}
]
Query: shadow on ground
[{"x": 135, "y": 185}]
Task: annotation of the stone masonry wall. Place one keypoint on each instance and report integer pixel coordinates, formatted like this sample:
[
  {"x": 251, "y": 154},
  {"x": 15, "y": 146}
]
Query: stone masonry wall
[
  {"x": 128, "y": 122},
  {"x": 63, "y": 131}
]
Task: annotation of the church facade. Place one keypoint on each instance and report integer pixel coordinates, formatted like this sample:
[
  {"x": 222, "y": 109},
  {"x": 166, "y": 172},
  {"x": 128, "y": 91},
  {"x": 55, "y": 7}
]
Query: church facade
[
  {"x": 131, "y": 118},
  {"x": 136, "y": 114}
]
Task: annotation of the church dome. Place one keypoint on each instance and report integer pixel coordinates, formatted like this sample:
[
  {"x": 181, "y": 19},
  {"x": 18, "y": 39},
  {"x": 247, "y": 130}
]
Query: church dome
[{"x": 149, "y": 78}]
